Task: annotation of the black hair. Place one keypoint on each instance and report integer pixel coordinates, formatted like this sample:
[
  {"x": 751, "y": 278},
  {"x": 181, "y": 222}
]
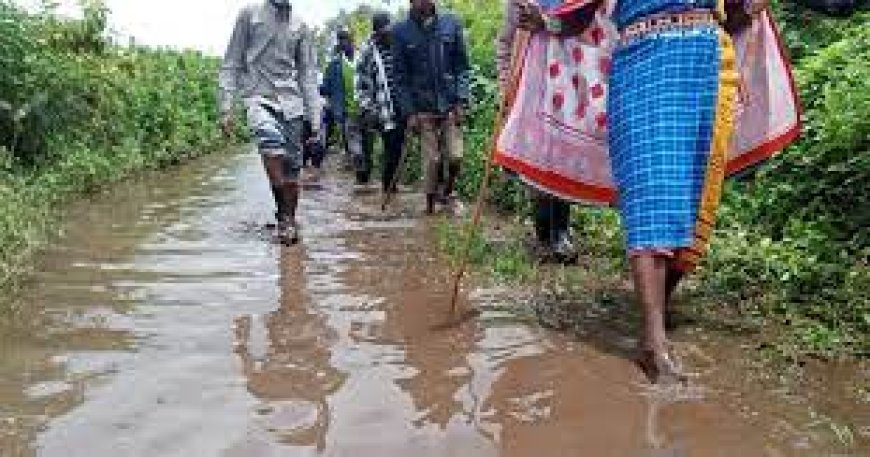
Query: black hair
[{"x": 380, "y": 20}]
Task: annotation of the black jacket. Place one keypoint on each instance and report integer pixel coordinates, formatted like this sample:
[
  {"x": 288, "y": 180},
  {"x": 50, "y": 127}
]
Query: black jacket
[{"x": 431, "y": 65}]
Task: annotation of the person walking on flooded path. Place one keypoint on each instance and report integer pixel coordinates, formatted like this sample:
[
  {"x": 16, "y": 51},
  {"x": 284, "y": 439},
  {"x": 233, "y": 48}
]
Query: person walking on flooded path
[
  {"x": 433, "y": 78},
  {"x": 670, "y": 79},
  {"x": 376, "y": 92},
  {"x": 672, "y": 102},
  {"x": 269, "y": 64},
  {"x": 337, "y": 88}
]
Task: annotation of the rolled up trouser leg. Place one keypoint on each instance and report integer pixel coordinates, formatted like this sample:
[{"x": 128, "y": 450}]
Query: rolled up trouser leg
[
  {"x": 277, "y": 138},
  {"x": 453, "y": 141},
  {"x": 454, "y": 149}
]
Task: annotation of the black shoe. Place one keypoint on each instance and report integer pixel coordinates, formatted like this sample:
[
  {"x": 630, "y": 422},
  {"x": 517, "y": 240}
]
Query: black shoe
[{"x": 563, "y": 248}]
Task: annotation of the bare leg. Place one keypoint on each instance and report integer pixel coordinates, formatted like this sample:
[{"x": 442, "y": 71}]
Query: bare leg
[
  {"x": 674, "y": 276},
  {"x": 650, "y": 275}
]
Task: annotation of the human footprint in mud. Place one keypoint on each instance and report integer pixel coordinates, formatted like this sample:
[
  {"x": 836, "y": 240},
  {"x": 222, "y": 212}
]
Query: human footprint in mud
[{"x": 269, "y": 63}]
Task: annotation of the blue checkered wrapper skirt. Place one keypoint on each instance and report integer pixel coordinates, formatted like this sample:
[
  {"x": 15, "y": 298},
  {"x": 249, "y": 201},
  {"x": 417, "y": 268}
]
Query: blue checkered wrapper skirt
[{"x": 662, "y": 108}]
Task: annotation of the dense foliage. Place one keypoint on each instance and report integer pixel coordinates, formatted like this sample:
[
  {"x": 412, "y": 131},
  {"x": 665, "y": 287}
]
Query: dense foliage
[
  {"x": 77, "y": 111},
  {"x": 795, "y": 242}
]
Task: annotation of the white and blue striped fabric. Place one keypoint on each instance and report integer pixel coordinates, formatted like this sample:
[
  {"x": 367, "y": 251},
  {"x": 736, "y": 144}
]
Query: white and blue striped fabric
[{"x": 661, "y": 112}]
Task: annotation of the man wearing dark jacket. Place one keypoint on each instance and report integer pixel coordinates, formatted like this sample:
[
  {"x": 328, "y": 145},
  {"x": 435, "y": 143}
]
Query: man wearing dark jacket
[
  {"x": 337, "y": 87},
  {"x": 432, "y": 78}
]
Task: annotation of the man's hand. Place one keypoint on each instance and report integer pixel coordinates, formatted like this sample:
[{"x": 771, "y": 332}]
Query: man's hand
[
  {"x": 457, "y": 115},
  {"x": 228, "y": 125},
  {"x": 531, "y": 17},
  {"x": 415, "y": 123}
]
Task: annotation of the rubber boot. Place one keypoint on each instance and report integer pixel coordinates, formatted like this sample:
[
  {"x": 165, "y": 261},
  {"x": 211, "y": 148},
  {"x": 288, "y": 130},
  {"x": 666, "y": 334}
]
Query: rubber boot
[
  {"x": 430, "y": 203},
  {"x": 280, "y": 202},
  {"x": 452, "y": 176}
]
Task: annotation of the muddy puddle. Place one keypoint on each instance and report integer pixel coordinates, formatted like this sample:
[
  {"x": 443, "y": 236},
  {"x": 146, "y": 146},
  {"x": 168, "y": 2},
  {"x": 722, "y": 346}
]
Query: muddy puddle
[{"x": 166, "y": 324}]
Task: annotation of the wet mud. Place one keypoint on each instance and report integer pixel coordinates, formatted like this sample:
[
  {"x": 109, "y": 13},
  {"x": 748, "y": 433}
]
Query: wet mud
[{"x": 166, "y": 323}]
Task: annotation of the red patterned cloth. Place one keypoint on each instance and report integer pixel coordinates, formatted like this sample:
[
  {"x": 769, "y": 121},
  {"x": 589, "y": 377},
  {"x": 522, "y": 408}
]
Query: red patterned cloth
[{"x": 555, "y": 136}]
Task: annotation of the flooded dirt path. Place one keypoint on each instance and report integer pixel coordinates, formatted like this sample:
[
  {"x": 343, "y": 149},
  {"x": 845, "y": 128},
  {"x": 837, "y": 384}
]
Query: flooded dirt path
[{"x": 164, "y": 324}]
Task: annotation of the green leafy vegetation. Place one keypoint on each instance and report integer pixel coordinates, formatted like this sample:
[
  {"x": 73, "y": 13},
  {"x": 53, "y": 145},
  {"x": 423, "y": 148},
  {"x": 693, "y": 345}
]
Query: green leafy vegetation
[{"x": 77, "y": 112}]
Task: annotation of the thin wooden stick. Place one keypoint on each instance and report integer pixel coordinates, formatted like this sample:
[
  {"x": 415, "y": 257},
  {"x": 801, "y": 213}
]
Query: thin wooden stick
[
  {"x": 399, "y": 168},
  {"x": 471, "y": 228},
  {"x": 520, "y": 45}
]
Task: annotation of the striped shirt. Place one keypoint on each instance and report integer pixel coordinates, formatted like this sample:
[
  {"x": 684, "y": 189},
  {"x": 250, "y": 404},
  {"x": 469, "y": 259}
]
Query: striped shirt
[{"x": 375, "y": 91}]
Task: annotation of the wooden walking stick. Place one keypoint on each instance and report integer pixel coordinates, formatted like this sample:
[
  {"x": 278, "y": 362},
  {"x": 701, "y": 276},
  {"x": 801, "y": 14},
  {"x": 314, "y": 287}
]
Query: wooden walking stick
[
  {"x": 472, "y": 227},
  {"x": 517, "y": 59},
  {"x": 391, "y": 190}
]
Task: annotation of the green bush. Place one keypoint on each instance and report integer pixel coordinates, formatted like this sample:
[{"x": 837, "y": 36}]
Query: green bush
[
  {"x": 795, "y": 242},
  {"x": 824, "y": 179},
  {"x": 77, "y": 112}
]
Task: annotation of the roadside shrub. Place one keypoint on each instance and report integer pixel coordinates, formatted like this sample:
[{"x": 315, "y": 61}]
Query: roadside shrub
[{"x": 77, "y": 112}]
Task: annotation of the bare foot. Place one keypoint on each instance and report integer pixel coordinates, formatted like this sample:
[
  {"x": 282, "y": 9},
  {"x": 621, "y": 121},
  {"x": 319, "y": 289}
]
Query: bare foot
[{"x": 661, "y": 367}]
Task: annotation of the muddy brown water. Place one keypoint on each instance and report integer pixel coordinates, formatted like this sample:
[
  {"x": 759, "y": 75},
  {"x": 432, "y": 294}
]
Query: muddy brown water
[{"x": 166, "y": 324}]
